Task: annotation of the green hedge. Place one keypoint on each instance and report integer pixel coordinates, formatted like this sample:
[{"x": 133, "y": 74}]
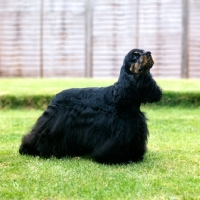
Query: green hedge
[
  {"x": 35, "y": 101},
  {"x": 185, "y": 99}
]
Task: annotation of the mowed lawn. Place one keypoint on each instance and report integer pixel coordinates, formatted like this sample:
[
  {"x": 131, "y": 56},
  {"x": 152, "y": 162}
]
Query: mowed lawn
[
  {"x": 170, "y": 170},
  {"x": 32, "y": 86}
]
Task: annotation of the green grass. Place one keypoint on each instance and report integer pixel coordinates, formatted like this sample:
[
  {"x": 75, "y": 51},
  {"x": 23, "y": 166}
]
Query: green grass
[
  {"x": 170, "y": 169},
  {"x": 34, "y": 86},
  {"x": 19, "y": 86}
]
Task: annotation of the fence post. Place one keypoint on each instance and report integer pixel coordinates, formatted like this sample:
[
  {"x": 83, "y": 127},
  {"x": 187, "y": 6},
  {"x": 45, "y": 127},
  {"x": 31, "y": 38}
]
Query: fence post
[
  {"x": 88, "y": 38},
  {"x": 184, "y": 58},
  {"x": 41, "y": 38}
]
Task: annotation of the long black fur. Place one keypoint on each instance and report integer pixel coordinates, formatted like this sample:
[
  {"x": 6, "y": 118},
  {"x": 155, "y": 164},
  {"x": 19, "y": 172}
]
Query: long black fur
[{"x": 105, "y": 123}]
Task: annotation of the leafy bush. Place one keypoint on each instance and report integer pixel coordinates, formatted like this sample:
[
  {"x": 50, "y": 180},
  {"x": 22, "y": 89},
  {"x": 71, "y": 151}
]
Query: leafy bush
[{"x": 35, "y": 101}]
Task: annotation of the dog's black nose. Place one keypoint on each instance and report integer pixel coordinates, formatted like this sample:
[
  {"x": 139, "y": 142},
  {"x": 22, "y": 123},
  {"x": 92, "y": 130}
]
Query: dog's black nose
[{"x": 148, "y": 53}]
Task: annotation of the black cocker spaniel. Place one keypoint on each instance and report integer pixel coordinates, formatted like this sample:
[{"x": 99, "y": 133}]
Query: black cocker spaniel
[{"x": 105, "y": 123}]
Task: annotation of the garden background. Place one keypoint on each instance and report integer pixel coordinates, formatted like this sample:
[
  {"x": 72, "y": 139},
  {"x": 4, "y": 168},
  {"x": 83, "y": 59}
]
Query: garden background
[{"x": 47, "y": 46}]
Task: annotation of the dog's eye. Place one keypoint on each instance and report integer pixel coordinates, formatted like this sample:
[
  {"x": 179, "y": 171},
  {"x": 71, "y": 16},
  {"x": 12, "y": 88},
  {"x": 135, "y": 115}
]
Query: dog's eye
[{"x": 135, "y": 55}]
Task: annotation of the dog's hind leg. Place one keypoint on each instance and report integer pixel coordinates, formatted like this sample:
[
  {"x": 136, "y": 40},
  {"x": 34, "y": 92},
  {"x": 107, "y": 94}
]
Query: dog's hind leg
[
  {"x": 28, "y": 145},
  {"x": 31, "y": 143},
  {"x": 110, "y": 153}
]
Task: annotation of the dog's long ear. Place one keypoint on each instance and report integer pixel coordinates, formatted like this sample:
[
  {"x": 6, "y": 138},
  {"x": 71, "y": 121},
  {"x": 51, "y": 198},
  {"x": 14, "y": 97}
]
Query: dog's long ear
[
  {"x": 128, "y": 60},
  {"x": 149, "y": 90}
]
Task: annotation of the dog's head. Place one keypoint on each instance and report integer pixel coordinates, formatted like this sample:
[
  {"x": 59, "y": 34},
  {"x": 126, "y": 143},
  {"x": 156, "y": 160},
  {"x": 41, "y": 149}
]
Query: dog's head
[{"x": 138, "y": 61}]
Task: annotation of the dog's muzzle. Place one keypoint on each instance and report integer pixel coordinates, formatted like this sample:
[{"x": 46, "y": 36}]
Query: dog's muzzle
[{"x": 146, "y": 62}]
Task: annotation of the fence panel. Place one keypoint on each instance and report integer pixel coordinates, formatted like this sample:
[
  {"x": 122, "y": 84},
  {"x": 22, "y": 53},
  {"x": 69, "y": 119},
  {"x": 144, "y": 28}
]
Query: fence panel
[
  {"x": 65, "y": 38},
  {"x": 194, "y": 39},
  {"x": 19, "y": 38}
]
